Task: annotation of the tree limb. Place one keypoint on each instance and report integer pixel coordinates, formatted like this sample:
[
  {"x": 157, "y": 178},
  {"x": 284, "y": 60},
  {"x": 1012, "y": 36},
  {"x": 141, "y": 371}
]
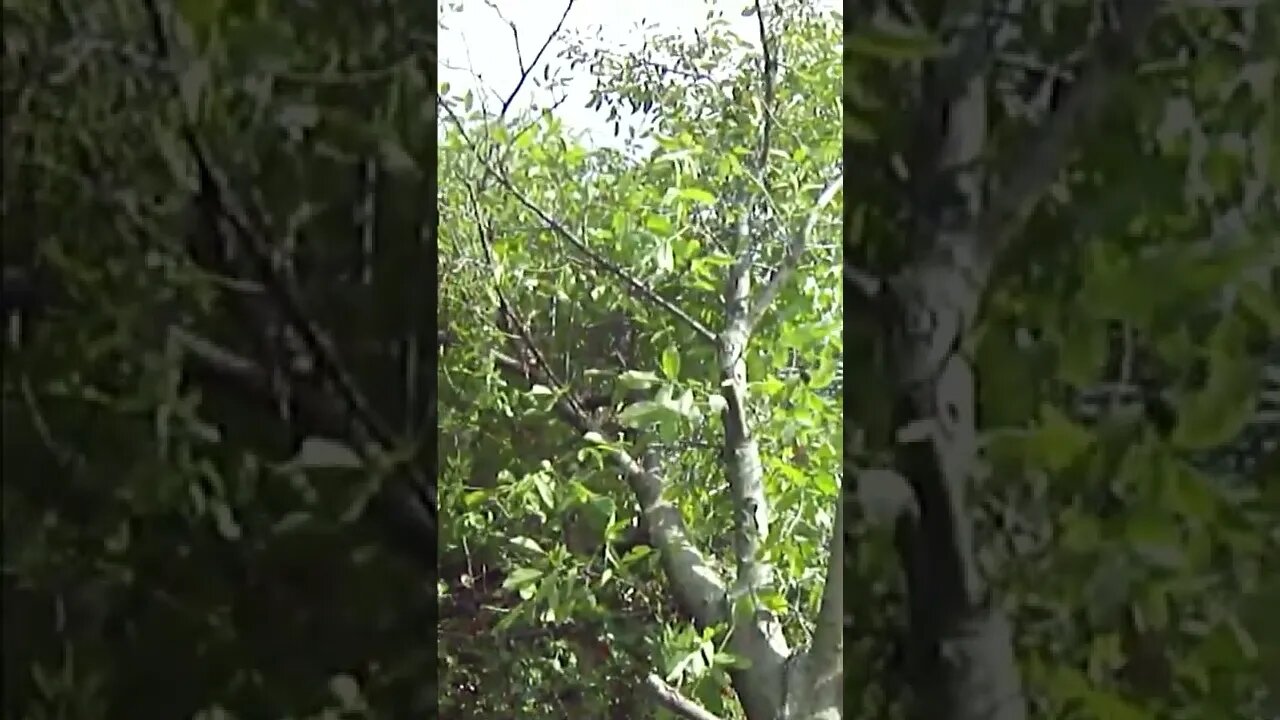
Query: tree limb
[
  {"x": 1040, "y": 162},
  {"x": 525, "y": 71},
  {"x": 698, "y": 586},
  {"x": 367, "y": 431},
  {"x": 410, "y": 523},
  {"x": 795, "y": 250},
  {"x": 641, "y": 289},
  {"x": 671, "y": 699},
  {"x": 818, "y": 670},
  {"x": 828, "y": 639}
]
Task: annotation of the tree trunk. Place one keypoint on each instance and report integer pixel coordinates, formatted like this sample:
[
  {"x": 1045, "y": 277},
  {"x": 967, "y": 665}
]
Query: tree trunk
[{"x": 959, "y": 646}]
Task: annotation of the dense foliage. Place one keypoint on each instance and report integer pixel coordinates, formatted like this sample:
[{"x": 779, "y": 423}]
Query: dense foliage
[
  {"x": 1125, "y": 347},
  {"x": 535, "y": 607},
  {"x": 172, "y": 546},
  {"x": 219, "y": 405}
]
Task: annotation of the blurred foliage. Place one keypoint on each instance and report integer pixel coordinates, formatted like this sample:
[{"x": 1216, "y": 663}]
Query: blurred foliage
[
  {"x": 1122, "y": 354},
  {"x": 161, "y": 559}
]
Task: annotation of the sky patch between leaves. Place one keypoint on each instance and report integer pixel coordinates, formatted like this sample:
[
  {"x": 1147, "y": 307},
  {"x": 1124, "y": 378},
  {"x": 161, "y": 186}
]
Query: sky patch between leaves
[{"x": 478, "y": 50}]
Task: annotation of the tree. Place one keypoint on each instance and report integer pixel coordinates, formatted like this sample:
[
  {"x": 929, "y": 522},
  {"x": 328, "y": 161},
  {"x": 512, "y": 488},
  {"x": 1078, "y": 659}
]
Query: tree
[
  {"x": 649, "y": 349},
  {"x": 1032, "y": 123},
  {"x": 215, "y": 404},
  {"x": 1060, "y": 555},
  {"x": 218, "y": 401}
]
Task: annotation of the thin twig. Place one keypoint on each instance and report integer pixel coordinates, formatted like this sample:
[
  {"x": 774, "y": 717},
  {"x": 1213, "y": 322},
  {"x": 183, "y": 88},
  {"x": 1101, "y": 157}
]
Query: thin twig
[{"x": 526, "y": 71}]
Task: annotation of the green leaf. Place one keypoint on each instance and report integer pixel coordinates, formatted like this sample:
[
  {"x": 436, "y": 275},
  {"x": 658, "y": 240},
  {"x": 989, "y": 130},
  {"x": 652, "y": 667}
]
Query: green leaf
[
  {"x": 774, "y": 601},
  {"x": 200, "y": 15},
  {"x": 671, "y": 363},
  {"x": 299, "y": 116},
  {"x": 395, "y": 158},
  {"x": 636, "y": 554},
  {"x": 664, "y": 257},
  {"x": 858, "y": 130},
  {"x": 181, "y": 166},
  {"x": 291, "y": 522},
  {"x": 1156, "y": 539},
  {"x": 1263, "y": 305},
  {"x": 638, "y": 380},
  {"x": 1083, "y": 352},
  {"x": 697, "y": 195},
  {"x": 1109, "y": 705},
  {"x": 1010, "y": 400},
  {"x": 825, "y": 374},
  {"x": 1217, "y": 413},
  {"x": 646, "y": 413},
  {"x": 224, "y": 520},
  {"x": 521, "y": 578},
  {"x": 546, "y": 492},
  {"x": 193, "y": 86},
  {"x": 1058, "y": 441},
  {"x": 347, "y": 691},
  {"x": 528, "y": 544},
  {"x": 658, "y": 224},
  {"x": 884, "y": 495}
]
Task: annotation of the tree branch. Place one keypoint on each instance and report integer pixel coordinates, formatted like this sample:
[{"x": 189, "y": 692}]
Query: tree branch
[
  {"x": 818, "y": 670},
  {"x": 410, "y": 522},
  {"x": 1040, "y": 162},
  {"x": 365, "y": 429},
  {"x": 795, "y": 250},
  {"x": 525, "y": 71},
  {"x": 671, "y": 699},
  {"x": 828, "y": 637},
  {"x": 698, "y": 587},
  {"x": 641, "y": 289}
]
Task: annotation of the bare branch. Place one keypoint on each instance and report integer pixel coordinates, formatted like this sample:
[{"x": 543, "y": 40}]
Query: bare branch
[
  {"x": 525, "y": 71},
  {"x": 795, "y": 250},
  {"x": 671, "y": 699},
  {"x": 407, "y": 516},
  {"x": 769, "y": 73}
]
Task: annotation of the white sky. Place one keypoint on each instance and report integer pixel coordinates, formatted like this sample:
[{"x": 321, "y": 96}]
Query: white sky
[{"x": 475, "y": 41}]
